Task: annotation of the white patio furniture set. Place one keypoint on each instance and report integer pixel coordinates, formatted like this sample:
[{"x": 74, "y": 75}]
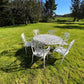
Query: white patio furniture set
[{"x": 40, "y": 40}]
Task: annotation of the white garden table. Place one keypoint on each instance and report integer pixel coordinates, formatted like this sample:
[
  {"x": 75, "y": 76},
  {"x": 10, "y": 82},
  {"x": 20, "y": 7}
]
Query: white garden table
[{"x": 48, "y": 39}]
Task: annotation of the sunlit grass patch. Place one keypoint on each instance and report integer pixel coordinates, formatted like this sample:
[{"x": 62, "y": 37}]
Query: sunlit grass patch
[{"x": 16, "y": 66}]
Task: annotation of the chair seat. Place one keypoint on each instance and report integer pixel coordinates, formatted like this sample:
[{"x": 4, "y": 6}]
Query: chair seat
[
  {"x": 40, "y": 53},
  {"x": 64, "y": 43},
  {"x": 60, "y": 50}
]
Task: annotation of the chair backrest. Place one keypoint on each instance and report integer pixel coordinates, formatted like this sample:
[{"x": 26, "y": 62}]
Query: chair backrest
[
  {"x": 70, "y": 45},
  {"x": 38, "y": 47},
  {"x": 51, "y": 31},
  {"x": 33, "y": 46},
  {"x": 23, "y": 37},
  {"x": 35, "y": 32},
  {"x": 66, "y": 37}
]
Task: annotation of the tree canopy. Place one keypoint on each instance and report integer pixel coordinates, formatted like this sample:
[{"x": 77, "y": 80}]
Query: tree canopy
[
  {"x": 14, "y": 12},
  {"x": 77, "y": 9}
]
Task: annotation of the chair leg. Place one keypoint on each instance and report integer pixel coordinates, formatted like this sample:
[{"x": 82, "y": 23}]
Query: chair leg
[
  {"x": 47, "y": 57},
  {"x": 32, "y": 58},
  {"x": 44, "y": 63},
  {"x": 26, "y": 50},
  {"x": 62, "y": 59},
  {"x": 53, "y": 53}
]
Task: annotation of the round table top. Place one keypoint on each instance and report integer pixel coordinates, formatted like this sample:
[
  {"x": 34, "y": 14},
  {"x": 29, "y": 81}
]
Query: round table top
[{"x": 48, "y": 39}]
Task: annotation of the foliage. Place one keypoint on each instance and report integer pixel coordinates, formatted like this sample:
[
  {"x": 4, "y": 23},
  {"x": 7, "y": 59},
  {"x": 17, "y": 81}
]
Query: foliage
[
  {"x": 75, "y": 9},
  {"x": 25, "y": 11},
  {"x": 4, "y": 13},
  {"x": 49, "y": 8},
  {"x": 16, "y": 67},
  {"x": 82, "y": 9},
  {"x": 19, "y": 12}
]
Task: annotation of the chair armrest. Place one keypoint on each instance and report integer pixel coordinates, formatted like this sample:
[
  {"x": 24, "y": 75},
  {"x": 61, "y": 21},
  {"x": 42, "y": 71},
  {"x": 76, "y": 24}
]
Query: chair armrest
[{"x": 47, "y": 50}]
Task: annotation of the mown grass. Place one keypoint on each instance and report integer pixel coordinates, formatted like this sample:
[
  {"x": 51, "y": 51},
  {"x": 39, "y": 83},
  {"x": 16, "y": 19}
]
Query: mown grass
[{"x": 16, "y": 67}]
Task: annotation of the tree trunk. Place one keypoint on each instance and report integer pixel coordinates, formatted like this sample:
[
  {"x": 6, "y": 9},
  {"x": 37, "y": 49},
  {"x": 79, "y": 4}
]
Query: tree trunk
[
  {"x": 26, "y": 22},
  {"x": 30, "y": 19},
  {"x": 77, "y": 20},
  {"x": 74, "y": 19}
]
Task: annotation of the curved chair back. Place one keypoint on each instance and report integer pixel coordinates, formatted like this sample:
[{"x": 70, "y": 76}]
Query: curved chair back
[
  {"x": 23, "y": 37},
  {"x": 70, "y": 45},
  {"x": 36, "y": 46},
  {"x": 33, "y": 46},
  {"x": 35, "y": 32},
  {"x": 66, "y": 36}
]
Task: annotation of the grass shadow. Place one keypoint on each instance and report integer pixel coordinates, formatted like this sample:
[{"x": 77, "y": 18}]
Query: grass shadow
[
  {"x": 81, "y": 23},
  {"x": 14, "y": 66},
  {"x": 26, "y": 61},
  {"x": 69, "y": 27},
  {"x": 58, "y": 20},
  {"x": 4, "y": 52},
  {"x": 14, "y": 26},
  {"x": 62, "y": 21},
  {"x": 66, "y": 22}
]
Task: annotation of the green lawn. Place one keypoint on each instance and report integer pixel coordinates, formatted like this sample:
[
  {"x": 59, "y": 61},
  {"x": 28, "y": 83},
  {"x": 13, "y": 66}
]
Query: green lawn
[{"x": 16, "y": 67}]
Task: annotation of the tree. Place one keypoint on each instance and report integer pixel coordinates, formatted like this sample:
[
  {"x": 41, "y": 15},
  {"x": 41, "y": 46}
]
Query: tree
[
  {"x": 14, "y": 12},
  {"x": 3, "y": 13},
  {"x": 32, "y": 11},
  {"x": 82, "y": 10},
  {"x": 75, "y": 9},
  {"x": 23, "y": 11},
  {"x": 49, "y": 8}
]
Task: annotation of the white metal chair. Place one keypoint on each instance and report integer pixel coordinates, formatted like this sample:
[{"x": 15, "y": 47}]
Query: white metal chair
[
  {"x": 39, "y": 51},
  {"x": 66, "y": 37},
  {"x": 63, "y": 51},
  {"x": 27, "y": 44},
  {"x": 35, "y": 32},
  {"x": 51, "y": 31}
]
